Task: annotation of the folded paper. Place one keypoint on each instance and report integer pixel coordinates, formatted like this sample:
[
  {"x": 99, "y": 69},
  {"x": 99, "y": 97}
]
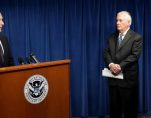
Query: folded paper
[{"x": 107, "y": 73}]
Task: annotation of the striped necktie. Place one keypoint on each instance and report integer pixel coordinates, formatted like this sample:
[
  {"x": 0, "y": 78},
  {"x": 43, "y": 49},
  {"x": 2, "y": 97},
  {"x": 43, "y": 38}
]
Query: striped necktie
[{"x": 120, "y": 39}]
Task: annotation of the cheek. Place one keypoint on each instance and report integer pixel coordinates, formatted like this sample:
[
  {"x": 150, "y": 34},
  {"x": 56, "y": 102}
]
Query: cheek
[{"x": 122, "y": 25}]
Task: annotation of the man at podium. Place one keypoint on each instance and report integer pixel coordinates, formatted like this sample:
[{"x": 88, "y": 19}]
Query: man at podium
[{"x": 6, "y": 58}]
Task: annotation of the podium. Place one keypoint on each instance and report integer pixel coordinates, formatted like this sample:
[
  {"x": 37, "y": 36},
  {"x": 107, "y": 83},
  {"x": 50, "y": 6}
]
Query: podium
[{"x": 56, "y": 102}]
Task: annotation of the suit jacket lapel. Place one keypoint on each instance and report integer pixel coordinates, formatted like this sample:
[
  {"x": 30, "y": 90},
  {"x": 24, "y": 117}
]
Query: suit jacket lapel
[
  {"x": 116, "y": 42},
  {"x": 126, "y": 38}
]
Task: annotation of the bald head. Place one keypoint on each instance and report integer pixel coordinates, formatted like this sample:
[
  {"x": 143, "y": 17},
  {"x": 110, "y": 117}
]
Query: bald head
[{"x": 124, "y": 21}]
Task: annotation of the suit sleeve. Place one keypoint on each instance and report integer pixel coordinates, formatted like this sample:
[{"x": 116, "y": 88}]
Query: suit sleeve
[
  {"x": 10, "y": 57},
  {"x": 135, "y": 54},
  {"x": 107, "y": 55}
]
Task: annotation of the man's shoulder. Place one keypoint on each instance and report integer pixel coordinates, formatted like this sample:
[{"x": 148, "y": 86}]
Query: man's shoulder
[
  {"x": 2, "y": 36},
  {"x": 135, "y": 33},
  {"x": 113, "y": 36}
]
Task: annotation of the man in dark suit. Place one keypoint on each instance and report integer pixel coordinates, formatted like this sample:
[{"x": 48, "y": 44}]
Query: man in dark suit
[
  {"x": 121, "y": 55},
  {"x": 6, "y": 58}
]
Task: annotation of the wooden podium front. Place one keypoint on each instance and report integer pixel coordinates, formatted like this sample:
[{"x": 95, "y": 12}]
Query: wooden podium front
[{"x": 56, "y": 104}]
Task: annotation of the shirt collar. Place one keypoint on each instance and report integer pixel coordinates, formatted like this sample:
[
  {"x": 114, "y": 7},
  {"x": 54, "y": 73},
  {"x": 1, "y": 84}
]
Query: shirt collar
[{"x": 124, "y": 33}]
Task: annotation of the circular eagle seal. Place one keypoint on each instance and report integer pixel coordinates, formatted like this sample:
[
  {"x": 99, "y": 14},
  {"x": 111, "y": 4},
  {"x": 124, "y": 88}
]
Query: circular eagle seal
[{"x": 36, "y": 89}]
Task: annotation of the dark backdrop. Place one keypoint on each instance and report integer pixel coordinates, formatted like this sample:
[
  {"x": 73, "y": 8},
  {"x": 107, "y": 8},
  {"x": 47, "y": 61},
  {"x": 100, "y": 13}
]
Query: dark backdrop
[{"x": 78, "y": 30}]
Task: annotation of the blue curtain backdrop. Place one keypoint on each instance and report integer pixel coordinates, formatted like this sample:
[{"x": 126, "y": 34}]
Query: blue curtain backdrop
[{"x": 78, "y": 30}]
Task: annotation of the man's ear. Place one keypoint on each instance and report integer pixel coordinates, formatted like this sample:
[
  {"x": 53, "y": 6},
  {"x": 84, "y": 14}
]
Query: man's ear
[{"x": 129, "y": 23}]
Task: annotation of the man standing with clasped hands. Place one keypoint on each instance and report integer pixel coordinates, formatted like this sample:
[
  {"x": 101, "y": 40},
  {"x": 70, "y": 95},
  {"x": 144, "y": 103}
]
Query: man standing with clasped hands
[{"x": 121, "y": 55}]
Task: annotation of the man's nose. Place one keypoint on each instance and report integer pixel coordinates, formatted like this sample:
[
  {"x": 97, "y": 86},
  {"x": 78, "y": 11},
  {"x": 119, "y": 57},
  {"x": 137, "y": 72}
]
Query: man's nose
[{"x": 2, "y": 23}]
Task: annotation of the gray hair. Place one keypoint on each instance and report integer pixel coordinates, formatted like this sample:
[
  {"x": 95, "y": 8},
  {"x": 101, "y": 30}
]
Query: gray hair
[{"x": 127, "y": 15}]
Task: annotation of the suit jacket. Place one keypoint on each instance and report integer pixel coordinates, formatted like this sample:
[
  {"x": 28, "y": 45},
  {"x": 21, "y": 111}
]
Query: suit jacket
[
  {"x": 8, "y": 59},
  {"x": 126, "y": 55}
]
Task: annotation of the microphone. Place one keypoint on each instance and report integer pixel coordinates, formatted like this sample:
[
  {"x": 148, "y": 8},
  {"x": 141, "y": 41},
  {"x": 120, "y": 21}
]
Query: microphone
[
  {"x": 21, "y": 61},
  {"x": 34, "y": 58},
  {"x": 29, "y": 60}
]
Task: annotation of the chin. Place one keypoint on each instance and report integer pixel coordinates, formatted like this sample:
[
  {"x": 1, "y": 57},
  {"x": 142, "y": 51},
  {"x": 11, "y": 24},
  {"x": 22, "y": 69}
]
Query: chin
[{"x": 118, "y": 30}]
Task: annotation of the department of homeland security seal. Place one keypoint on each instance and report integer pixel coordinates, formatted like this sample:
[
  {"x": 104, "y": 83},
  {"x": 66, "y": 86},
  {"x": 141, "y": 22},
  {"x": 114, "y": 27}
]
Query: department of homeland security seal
[{"x": 36, "y": 89}]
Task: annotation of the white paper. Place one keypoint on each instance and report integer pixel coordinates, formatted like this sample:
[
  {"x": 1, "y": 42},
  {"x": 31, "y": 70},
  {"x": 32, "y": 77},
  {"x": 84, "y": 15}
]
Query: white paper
[{"x": 107, "y": 73}]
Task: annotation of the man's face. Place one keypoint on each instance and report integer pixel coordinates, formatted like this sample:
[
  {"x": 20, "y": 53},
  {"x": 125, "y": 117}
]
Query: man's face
[
  {"x": 1, "y": 22},
  {"x": 122, "y": 23}
]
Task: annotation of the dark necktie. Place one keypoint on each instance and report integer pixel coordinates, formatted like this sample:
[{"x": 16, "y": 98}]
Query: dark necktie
[{"x": 1, "y": 55}]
